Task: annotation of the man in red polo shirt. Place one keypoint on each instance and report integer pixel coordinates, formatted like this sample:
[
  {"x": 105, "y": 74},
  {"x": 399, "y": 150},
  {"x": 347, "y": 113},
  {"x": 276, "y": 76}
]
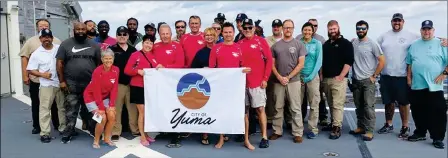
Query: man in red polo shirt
[
  {"x": 229, "y": 55},
  {"x": 194, "y": 41},
  {"x": 257, "y": 56},
  {"x": 169, "y": 54}
]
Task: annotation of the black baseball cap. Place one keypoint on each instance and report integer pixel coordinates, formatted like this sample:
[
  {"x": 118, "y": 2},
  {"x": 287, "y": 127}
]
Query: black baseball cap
[
  {"x": 150, "y": 25},
  {"x": 122, "y": 29},
  {"x": 277, "y": 22},
  {"x": 397, "y": 16},
  {"x": 46, "y": 32},
  {"x": 427, "y": 24},
  {"x": 247, "y": 22},
  {"x": 241, "y": 16},
  {"x": 221, "y": 16}
]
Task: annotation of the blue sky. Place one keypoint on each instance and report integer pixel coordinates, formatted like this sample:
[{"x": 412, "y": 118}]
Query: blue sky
[{"x": 377, "y": 14}]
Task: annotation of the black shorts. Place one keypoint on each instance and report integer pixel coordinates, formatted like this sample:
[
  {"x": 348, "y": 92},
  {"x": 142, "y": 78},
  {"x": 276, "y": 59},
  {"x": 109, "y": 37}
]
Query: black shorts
[
  {"x": 394, "y": 89},
  {"x": 137, "y": 95}
]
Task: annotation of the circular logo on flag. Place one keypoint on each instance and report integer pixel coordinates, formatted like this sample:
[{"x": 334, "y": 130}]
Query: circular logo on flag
[{"x": 193, "y": 91}]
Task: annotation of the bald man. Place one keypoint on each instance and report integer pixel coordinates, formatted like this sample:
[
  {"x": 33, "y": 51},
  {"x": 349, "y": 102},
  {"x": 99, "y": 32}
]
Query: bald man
[{"x": 77, "y": 57}]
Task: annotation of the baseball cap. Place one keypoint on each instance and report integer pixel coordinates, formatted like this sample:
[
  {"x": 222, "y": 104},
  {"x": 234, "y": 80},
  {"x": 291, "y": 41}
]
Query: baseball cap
[
  {"x": 221, "y": 16},
  {"x": 46, "y": 32},
  {"x": 397, "y": 16},
  {"x": 277, "y": 22},
  {"x": 150, "y": 25},
  {"x": 247, "y": 22},
  {"x": 122, "y": 29},
  {"x": 427, "y": 24},
  {"x": 241, "y": 16},
  {"x": 103, "y": 22}
]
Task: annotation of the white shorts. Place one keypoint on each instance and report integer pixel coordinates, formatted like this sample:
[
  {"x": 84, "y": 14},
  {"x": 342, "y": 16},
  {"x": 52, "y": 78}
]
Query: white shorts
[
  {"x": 256, "y": 97},
  {"x": 92, "y": 105}
]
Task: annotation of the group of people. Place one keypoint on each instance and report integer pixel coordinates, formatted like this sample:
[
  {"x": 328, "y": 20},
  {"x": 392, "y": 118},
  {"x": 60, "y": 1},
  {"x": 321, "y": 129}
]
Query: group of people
[{"x": 97, "y": 75}]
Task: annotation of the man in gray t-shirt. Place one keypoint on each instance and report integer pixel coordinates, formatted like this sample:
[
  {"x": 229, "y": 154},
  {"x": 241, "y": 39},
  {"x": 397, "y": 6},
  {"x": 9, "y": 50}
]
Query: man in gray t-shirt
[
  {"x": 288, "y": 58},
  {"x": 369, "y": 61},
  {"x": 77, "y": 57}
]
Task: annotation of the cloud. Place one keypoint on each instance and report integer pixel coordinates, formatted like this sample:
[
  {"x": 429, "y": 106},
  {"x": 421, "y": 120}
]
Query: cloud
[{"x": 377, "y": 14}]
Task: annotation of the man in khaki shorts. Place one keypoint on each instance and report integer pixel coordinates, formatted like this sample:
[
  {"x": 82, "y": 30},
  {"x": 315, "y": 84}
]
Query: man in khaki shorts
[
  {"x": 43, "y": 65},
  {"x": 257, "y": 56}
]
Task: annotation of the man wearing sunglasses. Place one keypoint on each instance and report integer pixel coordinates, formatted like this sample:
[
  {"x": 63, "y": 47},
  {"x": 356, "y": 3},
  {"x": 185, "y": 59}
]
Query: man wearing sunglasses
[
  {"x": 217, "y": 28},
  {"x": 239, "y": 21},
  {"x": 103, "y": 39},
  {"x": 369, "y": 61},
  {"x": 122, "y": 53},
  {"x": 393, "y": 87},
  {"x": 194, "y": 41},
  {"x": 180, "y": 30}
]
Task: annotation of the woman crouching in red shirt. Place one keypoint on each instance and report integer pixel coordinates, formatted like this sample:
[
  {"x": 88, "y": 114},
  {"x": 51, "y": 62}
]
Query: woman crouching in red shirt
[
  {"x": 138, "y": 61},
  {"x": 100, "y": 96}
]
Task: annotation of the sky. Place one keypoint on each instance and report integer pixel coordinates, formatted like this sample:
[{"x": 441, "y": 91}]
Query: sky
[{"x": 377, "y": 14}]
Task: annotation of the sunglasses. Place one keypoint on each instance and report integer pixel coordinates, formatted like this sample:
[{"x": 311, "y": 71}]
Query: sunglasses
[
  {"x": 217, "y": 28},
  {"x": 178, "y": 27},
  {"x": 314, "y": 25},
  {"x": 248, "y": 28},
  {"x": 361, "y": 28},
  {"x": 122, "y": 34},
  {"x": 396, "y": 20}
]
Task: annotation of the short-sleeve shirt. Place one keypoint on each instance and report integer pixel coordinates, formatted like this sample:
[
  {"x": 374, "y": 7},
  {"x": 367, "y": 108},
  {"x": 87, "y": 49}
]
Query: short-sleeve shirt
[
  {"x": 44, "y": 61},
  {"x": 366, "y": 55},
  {"x": 80, "y": 59},
  {"x": 428, "y": 60},
  {"x": 395, "y": 46},
  {"x": 286, "y": 55},
  {"x": 30, "y": 46}
]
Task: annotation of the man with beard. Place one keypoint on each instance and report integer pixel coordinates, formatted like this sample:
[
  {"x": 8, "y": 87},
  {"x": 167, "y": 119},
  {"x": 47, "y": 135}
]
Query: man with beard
[
  {"x": 180, "y": 29},
  {"x": 276, "y": 32},
  {"x": 337, "y": 58},
  {"x": 134, "y": 36},
  {"x": 150, "y": 30},
  {"x": 43, "y": 64},
  {"x": 239, "y": 20},
  {"x": 322, "y": 107},
  {"x": 258, "y": 58},
  {"x": 220, "y": 18},
  {"x": 77, "y": 57},
  {"x": 288, "y": 60},
  {"x": 393, "y": 87},
  {"x": 427, "y": 64},
  {"x": 103, "y": 39},
  {"x": 27, "y": 49},
  {"x": 194, "y": 41},
  {"x": 91, "y": 29},
  {"x": 217, "y": 27},
  {"x": 122, "y": 53},
  {"x": 369, "y": 61}
]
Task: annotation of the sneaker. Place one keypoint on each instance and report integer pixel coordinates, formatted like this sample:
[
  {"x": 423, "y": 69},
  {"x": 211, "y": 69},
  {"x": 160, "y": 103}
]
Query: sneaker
[
  {"x": 438, "y": 144},
  {"x": 404, "y": 132},
  {"x": 35, "y": 131},
  {"x": 174, "y": 143},
  {"x": 264, "y": 143},
  {"x": 115, "y": 138},
  {"x": 386, "y": 129},
  {"x": 357, "y": 131},
  {"x": 66, "y": 139},
  {"x": 367, "y": 136},
  {"x": 45, "y": 139},
  {"x": 311, "y": 135},
  {"x": 416, "y": 137},
  {"x": 335, "y": 133}
]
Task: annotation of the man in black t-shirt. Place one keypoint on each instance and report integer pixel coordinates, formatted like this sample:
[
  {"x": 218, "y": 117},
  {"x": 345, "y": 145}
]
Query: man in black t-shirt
[{"x": 77, "y": 57}]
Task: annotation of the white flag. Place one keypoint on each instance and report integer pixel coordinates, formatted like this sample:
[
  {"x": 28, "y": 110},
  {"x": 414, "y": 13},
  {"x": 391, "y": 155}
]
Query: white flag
[{"x": 209, "y": 100}]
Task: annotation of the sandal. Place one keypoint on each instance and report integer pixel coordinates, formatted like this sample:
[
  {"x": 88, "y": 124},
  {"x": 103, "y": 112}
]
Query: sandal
[
  {"x": 204, "y": 140},
  {"x": 150, "y": 140},
  {"x": 174, "y": 143},
  {"x": 226, "y": 138},
  {"x": 95, "y": 146},
  {"x": 144, "y": 142},
  {"x": 110, "y": 143}
]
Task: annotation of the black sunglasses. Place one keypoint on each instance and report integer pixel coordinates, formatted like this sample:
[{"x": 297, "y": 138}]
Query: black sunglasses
[
  {"x": 396, "y": 20},
  {"x": 217, "y": 28},
  {"x": 315, "y": 25},
  {"x": 122, "y": 34},
  {"x": 246, "y": 28},
  {"x": 178, "y": 27}
]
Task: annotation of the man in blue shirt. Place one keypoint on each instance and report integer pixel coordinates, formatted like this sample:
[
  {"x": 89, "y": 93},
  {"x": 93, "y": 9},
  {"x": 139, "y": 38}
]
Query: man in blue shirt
[{"x": 427, "y": 69}]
